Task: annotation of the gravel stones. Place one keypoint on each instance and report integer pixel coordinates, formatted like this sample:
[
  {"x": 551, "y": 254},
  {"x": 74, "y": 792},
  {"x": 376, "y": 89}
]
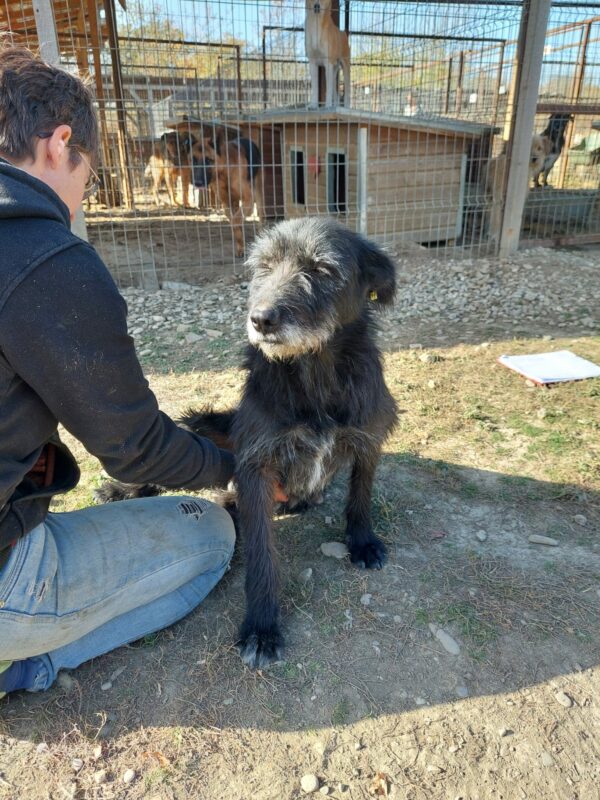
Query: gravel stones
[
  {"x": 334, "y": 549},
  {"x": 564, "y": 699},
  {"x": 547, "y": 540},
  {"x": 128, "y": 776},
  {"x": 481, "y": 536},
  {"x": 309, "y": 783},
  {"x": 449, "y": 644}
]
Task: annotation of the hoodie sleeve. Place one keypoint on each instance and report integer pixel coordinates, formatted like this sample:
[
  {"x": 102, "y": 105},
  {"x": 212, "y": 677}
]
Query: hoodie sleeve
[{"x": 64, "y": 331}]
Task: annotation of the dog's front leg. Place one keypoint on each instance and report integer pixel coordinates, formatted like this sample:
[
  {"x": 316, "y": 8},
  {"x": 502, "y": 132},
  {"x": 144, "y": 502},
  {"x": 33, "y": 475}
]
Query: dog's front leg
[
  {"x": 236, "y": 217},
  {"x": 260, "y": 642},
  {"x": 366, "y": 550}
]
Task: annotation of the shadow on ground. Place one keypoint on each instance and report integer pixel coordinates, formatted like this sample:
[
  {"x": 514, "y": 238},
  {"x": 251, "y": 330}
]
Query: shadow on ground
[{"x": 360, "y": 644}]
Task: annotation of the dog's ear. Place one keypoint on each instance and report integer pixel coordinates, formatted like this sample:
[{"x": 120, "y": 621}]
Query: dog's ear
[
  {"x": 220, "y": 140},
  {"x": 378, "y": 272}
]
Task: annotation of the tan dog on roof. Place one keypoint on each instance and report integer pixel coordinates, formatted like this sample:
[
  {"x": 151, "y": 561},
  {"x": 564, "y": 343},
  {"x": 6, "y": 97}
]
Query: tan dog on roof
[{"x": 326, "y": 46}]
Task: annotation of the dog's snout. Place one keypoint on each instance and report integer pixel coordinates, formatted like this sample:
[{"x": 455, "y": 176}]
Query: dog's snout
[{"x": 265, "y": 320}]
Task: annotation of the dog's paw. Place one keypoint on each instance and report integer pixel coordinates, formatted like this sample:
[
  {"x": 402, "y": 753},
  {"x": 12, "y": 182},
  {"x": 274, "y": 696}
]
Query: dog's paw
[
  {"x": 113, "y": 491},
  {"x": 110, "y": 492},
  {"x": 260, "y": 650},
  {"x": 369, "y": 554}
]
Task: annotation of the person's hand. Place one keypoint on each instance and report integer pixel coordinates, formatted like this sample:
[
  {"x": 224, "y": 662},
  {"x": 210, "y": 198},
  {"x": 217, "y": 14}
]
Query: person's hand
[{"x": 279, "y": 495}]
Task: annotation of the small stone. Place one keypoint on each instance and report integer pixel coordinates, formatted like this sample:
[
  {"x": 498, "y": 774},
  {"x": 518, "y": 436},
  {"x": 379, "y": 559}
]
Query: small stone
[
  {"x": 431, "y": 384},
  {"x": 342, "y": 787},
  {"x": 328, "y": 520},
  {"x": 454, "y": 748},
  {"x": 228, "y": 701},
  {"x": 77, "y": 764},
  {"x": 106, "y": 686},
  {"x": 65, "y": 681},
  {"x": 334, "y": 549},
  {"x": 481, "y": 536},
  {"x": 359, "y": 746},
  {"x": 547, "y": 759},
  {"x": 415, "y": 346},
  {"x": 97, "y": 752},
  {"x": 449, "y": 644},
  {"x": 324, "y": 790},
  {"x": 191, "y": 337},
  {"x": 309, "y": 783},
  {"x": 101, "y": 776},
  {"x": 547, "y": 337},
  {"x": 580, "y": 519},
  {"x": 428, "y": 358},
  {"x": 397, "y": 618},
  {"x": 541, "y": 413},
  {"x": 564, "y": 699},
  {"x": 505, "y": 732},
  {"x": 547, "y": 540},
  {"x": 420, "y": 701},
  {"x": 129, "y": 776},
  {"x": 306, "y": 575},
  {"x": 365, "y": 600},
  {"x": 462, "y": 691},
  {"x": 213, "y": 333},
  {"x": 42, "y": 748},
  {"x": 116, "y": 673}
]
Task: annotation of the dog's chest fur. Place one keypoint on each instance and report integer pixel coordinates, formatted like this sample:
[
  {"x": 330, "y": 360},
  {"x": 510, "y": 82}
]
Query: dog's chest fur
[{"x": 307, "y": 417}]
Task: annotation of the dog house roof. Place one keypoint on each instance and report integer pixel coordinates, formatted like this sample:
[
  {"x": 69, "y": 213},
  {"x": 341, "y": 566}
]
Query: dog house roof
[{"x": 438, "y": 125}]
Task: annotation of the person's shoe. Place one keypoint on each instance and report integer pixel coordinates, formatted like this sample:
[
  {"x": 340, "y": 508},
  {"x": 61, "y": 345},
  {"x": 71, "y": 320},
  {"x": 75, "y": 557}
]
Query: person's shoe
[{"x": 4, "y": 667}]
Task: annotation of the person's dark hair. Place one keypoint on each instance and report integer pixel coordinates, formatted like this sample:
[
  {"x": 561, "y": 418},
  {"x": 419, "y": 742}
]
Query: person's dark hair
[{"x": 35, "y": 98}]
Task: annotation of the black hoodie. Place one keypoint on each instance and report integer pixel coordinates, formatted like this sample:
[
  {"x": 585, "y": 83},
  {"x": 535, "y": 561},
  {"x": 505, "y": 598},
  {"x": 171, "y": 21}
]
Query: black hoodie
[{"x": 66, "y": 356}]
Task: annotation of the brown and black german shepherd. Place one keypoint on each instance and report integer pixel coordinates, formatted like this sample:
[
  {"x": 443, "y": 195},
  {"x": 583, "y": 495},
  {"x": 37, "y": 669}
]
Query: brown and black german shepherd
[{"x": 231, "y": 166}]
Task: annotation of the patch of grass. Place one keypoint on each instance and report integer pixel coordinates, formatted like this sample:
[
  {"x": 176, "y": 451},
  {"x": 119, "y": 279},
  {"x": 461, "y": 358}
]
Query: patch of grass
[
  {"x": 422, "y": 616},
  {"x": 156, "y": 777},
  {"x": 470, "y": 622},
  {"x": 341, "y": 712},
  {"x": 524, "y": 427}
]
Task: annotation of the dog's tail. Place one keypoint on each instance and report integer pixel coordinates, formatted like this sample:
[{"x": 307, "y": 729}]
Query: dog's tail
[{"x": 213, "y": 425}]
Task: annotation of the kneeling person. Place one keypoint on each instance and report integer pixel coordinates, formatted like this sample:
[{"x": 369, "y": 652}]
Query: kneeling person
[{"x": 76, "y": 585}]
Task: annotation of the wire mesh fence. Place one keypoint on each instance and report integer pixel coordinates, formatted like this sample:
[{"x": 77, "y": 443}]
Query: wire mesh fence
[{"x": 220, "y": 116}]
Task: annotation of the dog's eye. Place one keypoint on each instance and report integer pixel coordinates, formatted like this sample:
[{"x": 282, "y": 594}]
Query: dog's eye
[{"x": 318, "y": 267}]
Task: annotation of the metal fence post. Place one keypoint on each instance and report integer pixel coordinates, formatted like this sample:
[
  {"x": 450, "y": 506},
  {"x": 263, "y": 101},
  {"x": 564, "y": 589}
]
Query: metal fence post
[{"x": 532, "y": 35}]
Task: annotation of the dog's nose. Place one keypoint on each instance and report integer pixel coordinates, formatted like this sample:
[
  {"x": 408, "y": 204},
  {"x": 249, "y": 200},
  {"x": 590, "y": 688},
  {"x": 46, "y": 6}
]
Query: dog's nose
[{"x": 265, "y": 320}]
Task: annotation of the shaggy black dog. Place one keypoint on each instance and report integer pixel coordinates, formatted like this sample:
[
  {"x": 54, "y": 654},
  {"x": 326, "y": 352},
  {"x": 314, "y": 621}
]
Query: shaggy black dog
[{"x": 314, "y": 400}]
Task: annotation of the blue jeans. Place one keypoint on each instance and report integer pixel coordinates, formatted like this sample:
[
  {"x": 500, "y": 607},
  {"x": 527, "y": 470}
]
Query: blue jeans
[{"x": 85, "y": 582}]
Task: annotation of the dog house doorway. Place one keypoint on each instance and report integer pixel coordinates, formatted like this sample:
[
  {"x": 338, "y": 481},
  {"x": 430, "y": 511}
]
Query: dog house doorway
[{"x": 336, "y": 181}]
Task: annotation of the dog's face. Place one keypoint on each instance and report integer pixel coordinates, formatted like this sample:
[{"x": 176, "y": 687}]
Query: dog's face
[
  {"x": 206, "y": 147},
  {"x": 176, "y": 146},
  {"x": 310, "y": 277},
  {"x": 537, "y": 154}
]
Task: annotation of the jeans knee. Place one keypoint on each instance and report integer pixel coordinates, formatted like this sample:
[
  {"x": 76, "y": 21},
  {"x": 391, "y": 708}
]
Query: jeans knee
[{"x": 225, "y": 531}]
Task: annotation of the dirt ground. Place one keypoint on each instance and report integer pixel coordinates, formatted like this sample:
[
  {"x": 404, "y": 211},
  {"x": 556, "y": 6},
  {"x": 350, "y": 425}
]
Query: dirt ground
[{"x": 370, "y": 699}]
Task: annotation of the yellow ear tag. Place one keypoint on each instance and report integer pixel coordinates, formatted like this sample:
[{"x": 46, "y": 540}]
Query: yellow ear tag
[{"x": 373, "y": 295}]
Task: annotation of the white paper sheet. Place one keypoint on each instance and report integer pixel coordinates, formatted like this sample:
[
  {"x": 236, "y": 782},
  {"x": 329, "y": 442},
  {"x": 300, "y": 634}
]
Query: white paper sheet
[{"x": 552, "y": 367}]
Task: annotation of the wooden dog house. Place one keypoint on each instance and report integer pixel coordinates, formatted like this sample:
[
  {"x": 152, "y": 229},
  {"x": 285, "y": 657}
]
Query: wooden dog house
[{"x": 391, "y": 178}]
